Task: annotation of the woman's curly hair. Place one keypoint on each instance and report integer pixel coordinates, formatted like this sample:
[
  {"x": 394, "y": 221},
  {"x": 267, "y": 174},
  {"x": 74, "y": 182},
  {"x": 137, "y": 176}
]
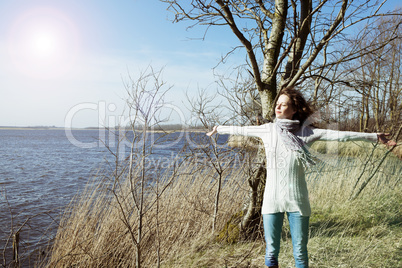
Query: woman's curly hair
[{"x": 299, "y": 103}]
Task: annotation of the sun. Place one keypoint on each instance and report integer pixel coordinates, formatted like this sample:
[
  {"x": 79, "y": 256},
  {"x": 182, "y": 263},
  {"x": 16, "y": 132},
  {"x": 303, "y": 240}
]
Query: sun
[{"x": 43, "y": 43}]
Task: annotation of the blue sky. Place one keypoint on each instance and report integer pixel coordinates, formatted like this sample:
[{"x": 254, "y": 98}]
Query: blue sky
[
  {"x": 100, "y": 42},
  {"x": 62, "y": 62}
]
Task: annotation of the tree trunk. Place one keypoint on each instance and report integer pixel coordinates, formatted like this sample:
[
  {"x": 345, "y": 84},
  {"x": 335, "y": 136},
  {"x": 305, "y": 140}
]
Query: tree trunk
[
  {"x": 267, "y": 92},
  {"x": 252, "y": 216},
  {"x": 267, "y": 101}
]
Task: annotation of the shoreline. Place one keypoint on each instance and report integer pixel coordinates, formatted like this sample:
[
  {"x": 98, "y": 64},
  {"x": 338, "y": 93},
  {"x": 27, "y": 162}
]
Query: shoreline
[{"x": 100, "y": 129}]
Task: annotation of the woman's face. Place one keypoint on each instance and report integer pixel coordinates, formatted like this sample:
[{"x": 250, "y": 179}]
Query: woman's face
[{"x": 284, "y": 108}]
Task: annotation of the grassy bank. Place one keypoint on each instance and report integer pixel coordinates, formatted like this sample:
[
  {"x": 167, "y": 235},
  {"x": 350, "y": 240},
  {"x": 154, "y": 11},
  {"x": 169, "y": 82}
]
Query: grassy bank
[
  {"x": 101, "y": 227},
  {"x": 344, "y": 235}
]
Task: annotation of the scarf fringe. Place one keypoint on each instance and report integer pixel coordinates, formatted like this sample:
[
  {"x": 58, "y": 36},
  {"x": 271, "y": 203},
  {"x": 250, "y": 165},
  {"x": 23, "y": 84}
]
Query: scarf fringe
[{"x": 305, "y": 157}]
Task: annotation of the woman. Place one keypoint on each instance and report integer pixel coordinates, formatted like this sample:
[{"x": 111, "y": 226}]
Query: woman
[{"x": 285, "y": 143}]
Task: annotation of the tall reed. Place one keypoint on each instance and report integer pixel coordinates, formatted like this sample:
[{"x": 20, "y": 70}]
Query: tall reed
[{"x": 92, "y": 232}]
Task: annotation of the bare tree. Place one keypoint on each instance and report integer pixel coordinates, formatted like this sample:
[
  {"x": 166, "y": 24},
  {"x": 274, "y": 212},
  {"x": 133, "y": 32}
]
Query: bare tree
[
  {"x": 287, "y": 36},
  {"x": 145, "y": 102},
  {"x": 374, "y": 79},
  {"x": 217, "y": 158}
]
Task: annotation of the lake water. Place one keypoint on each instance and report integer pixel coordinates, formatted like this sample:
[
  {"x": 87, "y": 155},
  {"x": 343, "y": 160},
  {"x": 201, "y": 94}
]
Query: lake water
[{"x": 42, "y": 170}]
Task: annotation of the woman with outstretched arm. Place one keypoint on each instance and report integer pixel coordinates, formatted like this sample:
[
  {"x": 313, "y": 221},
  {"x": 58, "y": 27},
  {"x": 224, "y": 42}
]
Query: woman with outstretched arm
[{"x": 285, "y": 142}]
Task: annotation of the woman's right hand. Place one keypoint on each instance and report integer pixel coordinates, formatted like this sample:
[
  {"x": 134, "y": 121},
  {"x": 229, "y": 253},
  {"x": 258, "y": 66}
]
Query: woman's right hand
[
  {"x": 382, "y": 137},
  {"x": 213, "y": 131}
]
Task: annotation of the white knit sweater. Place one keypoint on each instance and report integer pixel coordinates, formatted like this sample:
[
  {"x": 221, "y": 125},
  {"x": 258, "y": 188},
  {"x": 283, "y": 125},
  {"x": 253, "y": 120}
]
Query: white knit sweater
[{"x": 286, "y": 188}]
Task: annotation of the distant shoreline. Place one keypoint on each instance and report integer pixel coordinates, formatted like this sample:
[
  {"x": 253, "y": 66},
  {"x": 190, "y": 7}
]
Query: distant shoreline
[
  {"x": 94, "y": 128},
  {"x": 30, "y": 128}
]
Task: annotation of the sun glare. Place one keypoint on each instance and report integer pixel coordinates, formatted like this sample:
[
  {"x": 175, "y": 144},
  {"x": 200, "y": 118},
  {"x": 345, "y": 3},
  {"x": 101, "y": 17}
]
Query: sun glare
[{"x": 43, "y": 43}]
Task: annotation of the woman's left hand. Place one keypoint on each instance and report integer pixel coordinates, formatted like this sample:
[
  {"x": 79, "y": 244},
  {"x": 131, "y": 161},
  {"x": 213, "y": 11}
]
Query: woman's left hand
[
  {"x": 213, "y": 131},
  {"x": 382, "y": 137}
]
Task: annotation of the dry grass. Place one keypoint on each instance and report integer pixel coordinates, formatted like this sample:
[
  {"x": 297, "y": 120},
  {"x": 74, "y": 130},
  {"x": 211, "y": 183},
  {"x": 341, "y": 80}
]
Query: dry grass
[
  {"x": 365, "y": 232},
  {"x": 93, "y": 232}
]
